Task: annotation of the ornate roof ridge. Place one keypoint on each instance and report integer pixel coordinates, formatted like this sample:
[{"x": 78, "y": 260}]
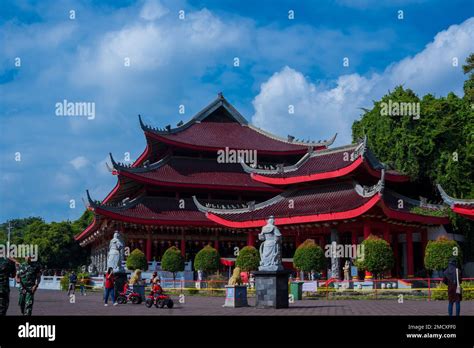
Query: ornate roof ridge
[
  {"x": 201, "y": 115},
  {"x": 369, "y": 191},
  {"x": 415, "y": 202},
  {"x": 126, "y": 203},
  {"x": 359, "y": 149},
  {"x": 221, "y": 101},
  {"x": 451, "y": 201},
  {"x": 251, "y": 206},
  {"x": 143, "y": 169},
  {"x": 294, "y": 142}
]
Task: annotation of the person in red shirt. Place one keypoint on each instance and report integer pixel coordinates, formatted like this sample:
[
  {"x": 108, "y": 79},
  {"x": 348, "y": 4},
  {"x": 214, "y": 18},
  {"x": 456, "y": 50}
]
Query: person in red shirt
[{"x": 109, "y": 286}]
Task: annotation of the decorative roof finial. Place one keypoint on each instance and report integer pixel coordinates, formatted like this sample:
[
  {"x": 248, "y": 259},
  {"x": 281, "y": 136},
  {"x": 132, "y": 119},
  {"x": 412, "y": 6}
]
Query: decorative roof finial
[{"x": 220, "y": 95}]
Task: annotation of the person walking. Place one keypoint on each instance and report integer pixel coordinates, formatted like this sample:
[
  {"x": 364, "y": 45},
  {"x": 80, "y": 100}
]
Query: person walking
[
  {"x": 109, "y": 287},
  {"x": 82, "y": 285},
  {"x": 452, "y": 278},
  {"x": 7, "y": 271},
  {"x": 72, "y": 283},
  {"x": 28, "y": 277}
]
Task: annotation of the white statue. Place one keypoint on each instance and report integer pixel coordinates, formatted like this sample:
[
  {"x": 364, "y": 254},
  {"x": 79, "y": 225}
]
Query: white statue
[
  {"x": 270, "y": 249},
  {"x": 116, "y": 254}
]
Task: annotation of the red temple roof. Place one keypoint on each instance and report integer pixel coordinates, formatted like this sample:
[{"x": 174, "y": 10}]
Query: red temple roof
[
  {"x": 324, "y": 164},
  {"x": 333, "y": 201},
  {"x": 326, "y": 202},
  {"x": 464, "y": 207},
  {"x": 229, "y": 128},
  {"x": 154, "y": 211},
  {"x": 193, "y": 172}
]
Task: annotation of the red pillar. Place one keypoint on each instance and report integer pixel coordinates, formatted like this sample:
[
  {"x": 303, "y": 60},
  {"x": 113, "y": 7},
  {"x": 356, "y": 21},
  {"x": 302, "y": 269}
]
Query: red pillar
[
  {"x": 148, "y": 247},
  {"x": 386, "y": 234},
  {"x": 354, "y": 237},
  {"x": 367, "y": 231},
  {"x": 216, "y": 244},
  {"x": 297, "y": 239},
  {"x": 183, "y": 247},
  {"x": 250, "y": 238},
  {"x": 410, "y": 261},
  {"x": 395, "y": 252}
]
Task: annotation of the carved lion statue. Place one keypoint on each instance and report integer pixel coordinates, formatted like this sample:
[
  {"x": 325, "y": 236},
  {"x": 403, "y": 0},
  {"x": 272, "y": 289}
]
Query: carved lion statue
[{"x": 235, "y": 279}]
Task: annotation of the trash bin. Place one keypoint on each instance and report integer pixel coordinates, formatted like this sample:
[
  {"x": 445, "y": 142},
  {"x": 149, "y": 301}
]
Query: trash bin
[{"x": 296, "y": 289}]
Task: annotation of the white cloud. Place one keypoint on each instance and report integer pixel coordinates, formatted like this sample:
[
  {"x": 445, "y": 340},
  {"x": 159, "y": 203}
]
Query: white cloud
[
  {"x": 153, "y": 9},
  {"x": 79, "y": 162},
  {"x": 320, "y": 111}
]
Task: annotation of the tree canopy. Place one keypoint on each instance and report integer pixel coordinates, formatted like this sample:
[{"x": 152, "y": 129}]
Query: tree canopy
[
  {"x": 309, "y": 257},
  {"x": 377, "y": 256},
  {"x": 207, "y": 259},
  {"x": 436, "y": 148},
  {"x": 439, "y": 252},
  {"x": 172, "y": 261},
  {"x": 137, "y": 260},
  {"x": 248, "y": 259}
]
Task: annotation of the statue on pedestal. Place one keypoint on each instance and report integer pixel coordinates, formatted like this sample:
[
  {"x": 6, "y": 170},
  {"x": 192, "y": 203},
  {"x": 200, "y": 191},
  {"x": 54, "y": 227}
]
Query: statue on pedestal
[
  {"x": 346, "y": 271},
  {"x": 270, "y": 249},
  {"x": 116, "y": 254}
]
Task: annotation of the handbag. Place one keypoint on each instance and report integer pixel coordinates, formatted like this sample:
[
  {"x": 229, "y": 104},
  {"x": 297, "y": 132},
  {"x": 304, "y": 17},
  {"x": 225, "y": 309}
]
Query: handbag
[{"x": 458, "y": 287}]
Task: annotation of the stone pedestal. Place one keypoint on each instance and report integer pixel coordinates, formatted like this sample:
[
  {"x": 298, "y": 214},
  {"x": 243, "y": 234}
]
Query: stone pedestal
[
  {"x": 272, "y": 289},
  {"x": 235, "y": 296}
]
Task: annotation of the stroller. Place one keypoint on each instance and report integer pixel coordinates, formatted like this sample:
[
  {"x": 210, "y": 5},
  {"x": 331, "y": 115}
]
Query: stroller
[
  {"x": 158, "y": 298},
  {"x": 128, "y": 295}
]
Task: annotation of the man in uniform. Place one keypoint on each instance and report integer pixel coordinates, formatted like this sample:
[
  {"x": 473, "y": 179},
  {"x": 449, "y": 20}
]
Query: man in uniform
[
  {"x": 7, "y": 270},
  {"x": 29, "y": 277}
]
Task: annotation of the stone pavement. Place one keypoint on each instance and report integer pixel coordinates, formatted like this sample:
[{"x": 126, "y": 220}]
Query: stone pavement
[{"x": 53, "y": 302}]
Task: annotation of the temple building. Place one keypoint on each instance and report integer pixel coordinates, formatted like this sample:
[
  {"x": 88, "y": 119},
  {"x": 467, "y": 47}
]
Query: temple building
[{"x": 181, "y": 192}]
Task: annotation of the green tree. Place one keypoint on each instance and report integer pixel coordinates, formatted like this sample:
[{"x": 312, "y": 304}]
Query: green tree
[
  {"x": 248, "y": 259},
  {"x": 438, "y": 253},
  {"x": 437, "y": 148},
  {"x": 377, "y": 256},
  {"x": 172, "y": 261},
  {"x": 56, "y": 245},
  {"x": 18, "y": 227},
  {"x": 137, "y": 260},
  {"x": 207, "y": 260},
  {"x": 309, "y": 257}
]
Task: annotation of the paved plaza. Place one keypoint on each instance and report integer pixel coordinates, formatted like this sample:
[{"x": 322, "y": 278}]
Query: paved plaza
[{"x": 53, "y": 302}]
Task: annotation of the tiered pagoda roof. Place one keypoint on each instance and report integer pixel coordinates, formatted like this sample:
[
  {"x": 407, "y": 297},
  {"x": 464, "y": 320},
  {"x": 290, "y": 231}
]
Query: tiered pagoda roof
[
  {"x": 325, "y": 164},
  {"x": 166, "y": 164},
  {"x": 464, "y": 207},
  {"x": 210, "y": 130},
  {"x": 192, "y": 172},
  {"x": 324, "y": 202}
]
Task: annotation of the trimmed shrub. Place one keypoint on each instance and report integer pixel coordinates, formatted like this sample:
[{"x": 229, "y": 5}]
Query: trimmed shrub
[
  {"x": 378, "y": 256},
  {"x": 248, "y": 259},
  {"x": 172, "y": 261},
  {"x": 207, "y": 260},
  {"x": 309, "y": 257},
  {"x": 136, "y": 260},
  {"x": 438, "y": 253}
]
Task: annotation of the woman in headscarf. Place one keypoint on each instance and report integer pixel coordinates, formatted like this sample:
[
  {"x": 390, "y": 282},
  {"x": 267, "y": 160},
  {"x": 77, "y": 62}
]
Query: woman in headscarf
[{"x": 452, "y": 278}]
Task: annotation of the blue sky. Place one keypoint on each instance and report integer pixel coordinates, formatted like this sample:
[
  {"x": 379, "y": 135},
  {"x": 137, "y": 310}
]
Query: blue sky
[{"x": 174, "y": 61}]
